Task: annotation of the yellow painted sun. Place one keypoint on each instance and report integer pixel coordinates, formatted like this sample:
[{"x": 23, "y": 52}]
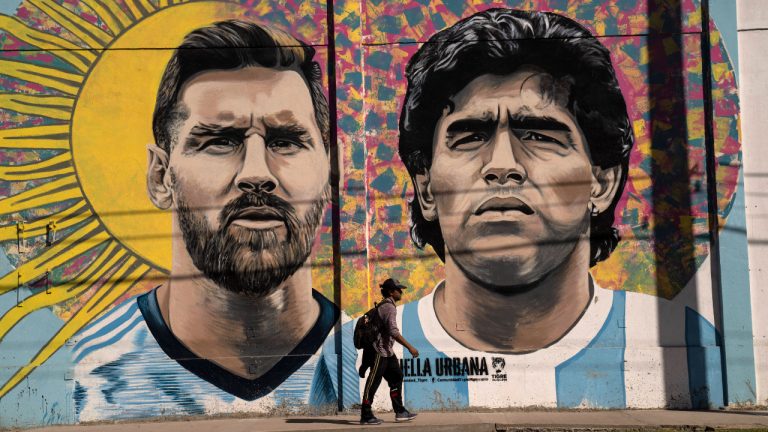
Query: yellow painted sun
[{"x": 95, "y": 178}]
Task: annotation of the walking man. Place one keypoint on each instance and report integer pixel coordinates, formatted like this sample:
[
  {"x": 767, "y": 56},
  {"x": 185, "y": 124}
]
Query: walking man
[{"x": 385, "y": 363}]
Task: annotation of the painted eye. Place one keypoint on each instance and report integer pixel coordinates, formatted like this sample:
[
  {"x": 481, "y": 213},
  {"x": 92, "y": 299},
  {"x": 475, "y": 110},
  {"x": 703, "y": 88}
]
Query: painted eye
[
  {"x": 220, "y": 145},
  {"x": 470, "y": 141},
  {"x": 285, "y": 147},
  {"x": 538, "y": 137}
]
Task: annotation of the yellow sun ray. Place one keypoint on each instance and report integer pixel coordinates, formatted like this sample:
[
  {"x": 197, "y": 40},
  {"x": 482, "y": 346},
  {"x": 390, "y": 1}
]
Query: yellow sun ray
[
  {"x": 106, "y": 259},
  {"x": 55, "y": 166},
  {"x": 64, "y": 219},
  {"x": 53, "y": 107},
  {"x": 164, "y": 3},
  {"x": 93, "y": 36},
  {"x": 110, "y": 13},
  {"x": 51, "y": 137},
  {"x": 129, "y": 273},
  {"x": 52, "y": 192},
  {"x": 56, "y": 79},
  {"x": 82, "y": 240},
  {"x": 60, "y": 47},
  {"x": 139, "y": 8}
]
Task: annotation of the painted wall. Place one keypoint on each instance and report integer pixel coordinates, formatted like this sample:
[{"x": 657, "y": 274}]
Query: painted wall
[
  {"x": 752, "y": 34},
  {"x": 194, "y": 216}
]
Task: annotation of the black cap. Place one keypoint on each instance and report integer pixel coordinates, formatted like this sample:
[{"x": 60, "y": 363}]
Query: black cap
[{"x": 390, "y": 285}]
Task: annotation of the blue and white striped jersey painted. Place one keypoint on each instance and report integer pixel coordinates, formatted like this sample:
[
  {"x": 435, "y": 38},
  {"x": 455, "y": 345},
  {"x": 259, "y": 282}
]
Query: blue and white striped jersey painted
[
  {"x": 615, "y": 356},
  {"x": 123, "y": 370}
]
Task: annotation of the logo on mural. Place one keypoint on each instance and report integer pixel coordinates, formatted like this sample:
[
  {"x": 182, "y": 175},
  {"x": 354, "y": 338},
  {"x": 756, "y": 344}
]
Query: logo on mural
[
  {"x": 444, "y": 369},
  {"x": 498, "y": 363}
]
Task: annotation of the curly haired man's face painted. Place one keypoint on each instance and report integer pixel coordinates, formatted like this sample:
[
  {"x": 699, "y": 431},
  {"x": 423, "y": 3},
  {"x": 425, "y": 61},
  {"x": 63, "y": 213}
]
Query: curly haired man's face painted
[{"x": 511, "y": 181}]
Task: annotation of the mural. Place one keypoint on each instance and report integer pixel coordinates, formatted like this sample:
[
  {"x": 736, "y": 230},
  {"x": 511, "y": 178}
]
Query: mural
[
  {"x": 519, "y": 145},
  {"x": 533, "y": 171}
]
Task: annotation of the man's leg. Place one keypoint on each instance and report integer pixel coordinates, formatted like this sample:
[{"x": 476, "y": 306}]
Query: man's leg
[
  {"x": 394, "y": 377},
  {"x": 371, "y": 385}
]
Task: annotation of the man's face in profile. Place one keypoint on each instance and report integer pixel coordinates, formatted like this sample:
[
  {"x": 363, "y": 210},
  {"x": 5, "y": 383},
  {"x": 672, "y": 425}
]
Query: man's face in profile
[
  {"x": 511, "y": 178},
  {"x": 249, "y": 175}
]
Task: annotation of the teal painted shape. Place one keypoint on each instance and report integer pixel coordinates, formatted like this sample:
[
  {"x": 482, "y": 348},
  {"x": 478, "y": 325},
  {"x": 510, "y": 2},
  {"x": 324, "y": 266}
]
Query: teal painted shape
[
  {"x": 8, "y": 7},
  {"x": 384, "y": 152},
  {"x": 353, "y": 78},
  {"x": 342, "y": 40},
  {"x": 737, "y": 307},
  {"x": 380, "y": 60},
  {"x": 373, "y": 121},
  {"x": 723, "y": 12},
  {"x": 386, "y": 93},
  {"x": 389, "y": 24},
  {"x": 455, "y": 6},
  {"x": 414, "y": 16},
  {"x": 438, "y": 21},
  {"x": 348, "y": 124},
  {"x": 394, "y": 213},
  {"x": 381, "y": 241},
  {"x": 594, "y": 377},
  {"x": 358, "y": 155},
  {"x": 352, "y": 20},
  {"x": 385, "y": 181},
  {"x": 705, "y": 379},
  {"x": 392, "y": 121}
]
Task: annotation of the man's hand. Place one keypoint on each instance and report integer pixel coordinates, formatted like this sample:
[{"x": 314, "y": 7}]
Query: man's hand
[
  {"x": 414, "y": 352},
  {"x": 403, "y": 342}
]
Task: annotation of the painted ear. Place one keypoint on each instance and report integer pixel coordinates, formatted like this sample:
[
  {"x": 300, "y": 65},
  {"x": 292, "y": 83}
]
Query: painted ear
[
  {"x": 605, "y": 185},
  {"x": 424, "y": 195},
  {"x": 158, "y": 177}
]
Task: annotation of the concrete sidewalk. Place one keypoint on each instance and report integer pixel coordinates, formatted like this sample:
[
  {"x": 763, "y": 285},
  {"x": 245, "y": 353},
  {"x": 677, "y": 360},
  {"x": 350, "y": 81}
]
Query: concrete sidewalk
[{"x": 460, "y": 422}]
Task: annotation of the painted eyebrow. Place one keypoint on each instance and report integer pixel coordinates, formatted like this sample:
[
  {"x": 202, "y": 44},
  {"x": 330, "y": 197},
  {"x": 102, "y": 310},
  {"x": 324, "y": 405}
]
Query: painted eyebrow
[
  {"x": 537, "y": 123},
  {"x": 289, "y": 130},
  {"x": 208, "y": 129},
  {"x": 515, "y": 122},
  {"x": 471, "y": 125}
]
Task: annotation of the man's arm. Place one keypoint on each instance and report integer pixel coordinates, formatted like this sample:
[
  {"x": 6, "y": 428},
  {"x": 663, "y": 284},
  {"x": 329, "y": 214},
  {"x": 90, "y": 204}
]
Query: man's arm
[
  {"x": 389, "y": 317},
  {"x": 414, "y": 352}
]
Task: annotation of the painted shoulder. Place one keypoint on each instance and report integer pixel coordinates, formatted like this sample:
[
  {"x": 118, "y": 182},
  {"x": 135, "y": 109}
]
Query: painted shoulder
[{"x": 109, "y": 333}]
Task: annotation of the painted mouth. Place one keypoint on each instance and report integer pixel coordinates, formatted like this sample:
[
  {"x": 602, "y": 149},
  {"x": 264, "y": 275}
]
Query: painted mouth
[
  {"x": 506, "y": 204},
  {"x": 257, "y": 217}
]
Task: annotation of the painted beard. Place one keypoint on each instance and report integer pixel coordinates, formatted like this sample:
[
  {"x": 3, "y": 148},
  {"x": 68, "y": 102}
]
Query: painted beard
[{"x": 245, "y": 260}]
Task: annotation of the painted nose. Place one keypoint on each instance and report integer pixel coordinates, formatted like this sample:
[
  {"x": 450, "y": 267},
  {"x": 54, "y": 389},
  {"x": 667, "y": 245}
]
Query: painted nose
[
  {"x": 253, "y": 186},
  {"x": 255, "y": 174},
  {"x": 503, "y": 165}
]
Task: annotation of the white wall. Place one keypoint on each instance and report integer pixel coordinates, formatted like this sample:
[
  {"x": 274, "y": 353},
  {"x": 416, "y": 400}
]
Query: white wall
[{"x": 753, "y": 65}]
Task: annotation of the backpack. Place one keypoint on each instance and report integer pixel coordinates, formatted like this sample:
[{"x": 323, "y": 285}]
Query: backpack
[{"x": 368, "y": 328}]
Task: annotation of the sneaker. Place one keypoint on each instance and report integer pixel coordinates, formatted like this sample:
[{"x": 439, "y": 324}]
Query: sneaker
[
  {"x": 370, "y": 421},
  {"x": 405, "y": 416}
]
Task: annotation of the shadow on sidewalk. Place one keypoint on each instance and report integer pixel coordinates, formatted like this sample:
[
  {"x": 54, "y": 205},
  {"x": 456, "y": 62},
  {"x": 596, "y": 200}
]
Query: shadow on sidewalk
[{"x": 322, "y": 420}]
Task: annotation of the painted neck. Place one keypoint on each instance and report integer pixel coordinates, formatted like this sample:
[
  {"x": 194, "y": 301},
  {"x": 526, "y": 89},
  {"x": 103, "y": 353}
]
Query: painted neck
[
  {"x": 515, "y": 322},
  {"x": 242, "y": 333}
]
